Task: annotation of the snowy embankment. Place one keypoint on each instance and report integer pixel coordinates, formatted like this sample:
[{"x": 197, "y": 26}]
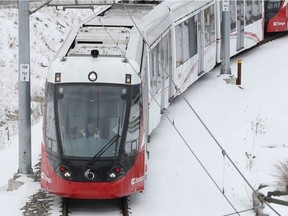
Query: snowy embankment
[
  {"x": 49, "y": 28},
  {"x": 249, "y": 122}
]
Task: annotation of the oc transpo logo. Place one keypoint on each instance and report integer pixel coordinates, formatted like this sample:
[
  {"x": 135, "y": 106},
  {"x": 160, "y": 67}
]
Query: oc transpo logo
[
  {"x": 89, "y": 175},
  {"x": 279, "y": 23},
  {"x": 137, "y": 180}
]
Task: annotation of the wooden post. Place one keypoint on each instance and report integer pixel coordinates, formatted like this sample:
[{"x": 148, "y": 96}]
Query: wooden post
[{"x": 238, "y": 80}]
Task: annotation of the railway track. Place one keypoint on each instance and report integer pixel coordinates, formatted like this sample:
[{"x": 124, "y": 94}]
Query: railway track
[{"x": 115, "y": 207}]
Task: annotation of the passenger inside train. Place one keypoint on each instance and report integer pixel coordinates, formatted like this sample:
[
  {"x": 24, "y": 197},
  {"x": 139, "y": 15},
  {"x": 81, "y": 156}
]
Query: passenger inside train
[{"x": 90, "y": 129}]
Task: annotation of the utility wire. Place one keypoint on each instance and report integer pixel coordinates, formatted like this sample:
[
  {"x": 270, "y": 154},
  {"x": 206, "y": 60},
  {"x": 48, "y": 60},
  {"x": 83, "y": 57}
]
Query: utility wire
[
  {"x": 195, "y": 113},
  {"x": 251, "y": 209},
  {"x": 179, "y": 133}
]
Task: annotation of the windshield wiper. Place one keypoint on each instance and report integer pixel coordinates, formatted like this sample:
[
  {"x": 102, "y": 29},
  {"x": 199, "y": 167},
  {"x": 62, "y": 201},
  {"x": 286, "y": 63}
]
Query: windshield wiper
[{"x": 104, "y": 149}]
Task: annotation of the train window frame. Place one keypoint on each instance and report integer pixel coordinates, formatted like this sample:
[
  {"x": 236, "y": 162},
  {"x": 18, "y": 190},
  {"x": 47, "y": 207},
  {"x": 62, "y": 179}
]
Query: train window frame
[
  {"x": 193, "y": 36},
  {"x": 50, "y": 121},
  {"x": 153, "y": 69},
  {"x": 157, "y": 65},
  {"x": 121, "y": 142},
  {"x": 184, "y": 52},
  {"x": 256, "y": 10},
  {"x": 179, "y": 45},
  {"x": 272, "y": 8},
  {"x": 233, "y": 16},
  {"x": 210, "y": 25},
  {"x": 248, "y": 12},
  {"x": 134, "y": 123}
]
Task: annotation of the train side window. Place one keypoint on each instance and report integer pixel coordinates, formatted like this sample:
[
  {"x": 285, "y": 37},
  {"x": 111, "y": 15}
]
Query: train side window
[
  {"x": 133, "y": 132},
  {"x": 155, "y": 73},
  {"x": 186, "y": 40},
  {"x": 232, "y": 15},
  {"x": 271, "y": 8},
  {"x": 179, "y": 45},
  {"x": 167, "y": 54},
  {"x": 153, "y": 62},
  {"x": 164, "y": 54},
  {"x": 164, "y": 50},
  {"x": 160, "y": 52},
  {"x": 209, "y": 19},
  {"x": 256, "y": 10},
  {"x": 50, "y": 126},
  {"x": 192, "y": 23},
  {"x": 160, "y": 64},
  {"x": 248, "y": 10}
]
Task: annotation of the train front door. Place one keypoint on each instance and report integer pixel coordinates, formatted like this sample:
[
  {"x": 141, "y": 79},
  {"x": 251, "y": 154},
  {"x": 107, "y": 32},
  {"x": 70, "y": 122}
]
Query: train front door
[{"x": 240, "y": 24}]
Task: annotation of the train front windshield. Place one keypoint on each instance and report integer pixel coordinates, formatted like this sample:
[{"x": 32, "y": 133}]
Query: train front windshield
[{"x": 91, "y": 119}]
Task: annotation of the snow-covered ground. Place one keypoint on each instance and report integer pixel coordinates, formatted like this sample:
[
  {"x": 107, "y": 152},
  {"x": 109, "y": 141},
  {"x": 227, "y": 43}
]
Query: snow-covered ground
[
  {"x": 49, "y": 28},
  {"x": 249, "y": 122}
]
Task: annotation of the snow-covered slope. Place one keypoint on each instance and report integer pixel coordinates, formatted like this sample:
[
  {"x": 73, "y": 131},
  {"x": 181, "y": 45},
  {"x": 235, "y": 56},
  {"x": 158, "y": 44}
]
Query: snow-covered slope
[
  {"x": 49, "y": 27},
  {"x": 249, "y": 122}
]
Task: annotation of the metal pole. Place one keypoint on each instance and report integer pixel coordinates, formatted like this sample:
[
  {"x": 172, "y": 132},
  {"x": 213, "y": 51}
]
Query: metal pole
[
  {"x": 24, "y": 89},
  {"x": 225, "y": 38}
]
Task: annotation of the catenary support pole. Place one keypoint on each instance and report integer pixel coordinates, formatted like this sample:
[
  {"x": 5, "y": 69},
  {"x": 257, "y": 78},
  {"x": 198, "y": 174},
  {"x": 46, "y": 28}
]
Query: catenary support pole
[
  {"x": 24, "y": 89},
  {"x": 225, "y": 38}
]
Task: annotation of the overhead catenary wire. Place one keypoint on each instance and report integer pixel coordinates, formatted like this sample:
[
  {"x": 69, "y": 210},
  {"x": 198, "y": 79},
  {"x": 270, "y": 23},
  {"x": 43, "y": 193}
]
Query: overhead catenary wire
[
  {"x": 172, "y": 123},
  {"x": 195, "y": 113},
  {"x": 242, "y": 211},
  {"x": 223, "y": 176}
]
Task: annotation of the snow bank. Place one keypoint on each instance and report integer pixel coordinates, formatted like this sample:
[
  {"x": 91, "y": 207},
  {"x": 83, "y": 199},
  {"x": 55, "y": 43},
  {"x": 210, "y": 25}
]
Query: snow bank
[{"x": 49, "y": 27}]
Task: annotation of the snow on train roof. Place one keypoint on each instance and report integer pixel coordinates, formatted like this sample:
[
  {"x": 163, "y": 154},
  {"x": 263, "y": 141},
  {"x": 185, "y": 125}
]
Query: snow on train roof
[
  {"x": 119, "y": 16},
  {"x": 91, "y": 38},
  {"x": 179, "y": 8},
  {"x": 159, "y": 20},
  {"x": 113, "y": 39}
]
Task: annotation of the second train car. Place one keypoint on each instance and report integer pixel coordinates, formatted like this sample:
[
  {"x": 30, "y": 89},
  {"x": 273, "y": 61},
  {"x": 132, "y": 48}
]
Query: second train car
[{"x": 276, "y": 16}]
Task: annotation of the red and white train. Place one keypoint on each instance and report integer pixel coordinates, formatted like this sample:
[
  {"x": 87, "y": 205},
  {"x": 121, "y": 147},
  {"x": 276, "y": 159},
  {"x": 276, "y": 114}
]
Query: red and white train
[
  {"x": 113, "y": 78},
  {"x": 276, "y": 16}
]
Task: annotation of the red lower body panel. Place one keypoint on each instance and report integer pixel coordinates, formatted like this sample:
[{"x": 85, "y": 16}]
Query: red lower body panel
[{"x": 132, "y": 182}]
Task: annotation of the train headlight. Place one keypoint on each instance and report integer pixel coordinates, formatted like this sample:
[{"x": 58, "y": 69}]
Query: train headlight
[
  {"x": 112, "y": 175},
  {"x": 67, "y": 174},
  {"x": 128, "y": 78},
  {"x": 92, "y": 76},
  {"x": 57, "y": 77},
  {"x": 116, "y": 173},
  {"x": 64, "y": 171}
]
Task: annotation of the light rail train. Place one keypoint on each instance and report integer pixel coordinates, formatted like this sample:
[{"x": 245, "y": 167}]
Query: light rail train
[
  {"x": 114, "y": 77},
  {"x": 276, "y": 15}
]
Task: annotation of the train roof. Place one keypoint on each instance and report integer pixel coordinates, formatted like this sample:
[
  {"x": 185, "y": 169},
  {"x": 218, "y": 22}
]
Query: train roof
[
  {"x": 108, "y": 31},
  {"x": 158, "y": 21},
  {"x": 117, "y": 15},
  {"x": 111, "y": 32},
  {"x": 182, "y": 9}
]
